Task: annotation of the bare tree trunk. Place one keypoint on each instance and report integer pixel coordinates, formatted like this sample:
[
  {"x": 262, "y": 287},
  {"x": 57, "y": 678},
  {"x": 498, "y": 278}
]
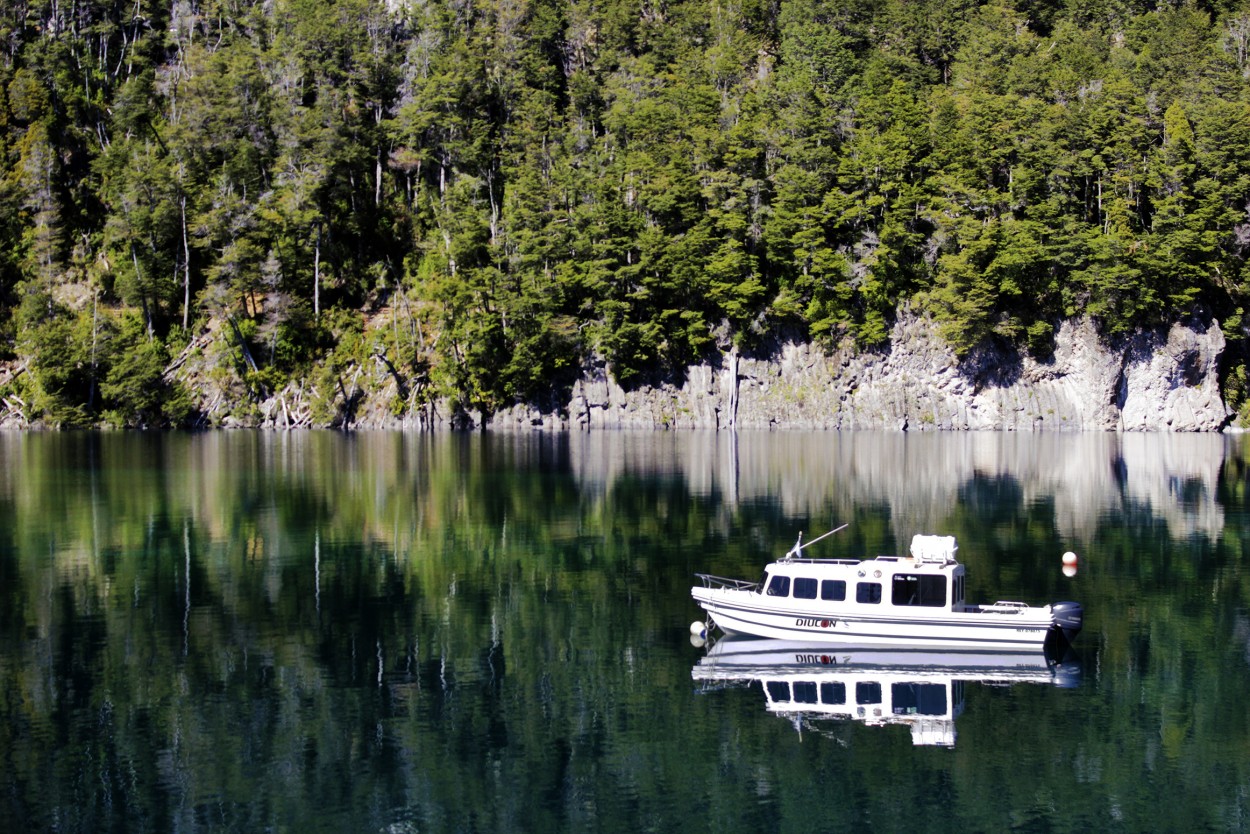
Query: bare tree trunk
[
  {"x": 1101, "y": 217},
  {"x": 95, "y": 301},
  {"x": 186, "y": 269},
  {"x": 317, "y": 275},
  {"x": 143, "y": 295},
  {"x": 238, "y": 334},
  {"x": 494, "y": 208}
]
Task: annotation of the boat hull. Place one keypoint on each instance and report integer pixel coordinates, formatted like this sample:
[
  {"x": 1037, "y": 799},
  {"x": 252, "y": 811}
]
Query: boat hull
[
  {"x": 737, "y": 656},
  {"x": 746, "y": 612}
]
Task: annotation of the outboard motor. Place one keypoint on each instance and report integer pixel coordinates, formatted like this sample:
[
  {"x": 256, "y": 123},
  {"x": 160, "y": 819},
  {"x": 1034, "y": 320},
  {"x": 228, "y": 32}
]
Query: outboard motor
[{"x": 1068, "y": 617}]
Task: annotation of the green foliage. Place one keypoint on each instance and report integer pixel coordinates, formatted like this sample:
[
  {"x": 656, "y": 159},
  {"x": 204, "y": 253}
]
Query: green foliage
[
  {"x": 548, "y": 181},
  {"x": 64, "y": 349},
  {"x": 134, "y": 388},
  {"x": 1237, "y": 394}
]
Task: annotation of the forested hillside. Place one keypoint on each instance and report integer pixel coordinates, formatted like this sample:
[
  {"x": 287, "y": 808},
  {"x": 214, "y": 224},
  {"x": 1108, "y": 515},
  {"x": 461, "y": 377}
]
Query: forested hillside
[{"x": 480, "y": 194}]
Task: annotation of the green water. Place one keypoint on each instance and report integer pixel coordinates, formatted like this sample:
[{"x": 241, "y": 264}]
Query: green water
[{"x": 392, "y": 633}]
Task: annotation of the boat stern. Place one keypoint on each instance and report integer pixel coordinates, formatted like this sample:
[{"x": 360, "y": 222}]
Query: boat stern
[{"x": 1067, "y": 617}]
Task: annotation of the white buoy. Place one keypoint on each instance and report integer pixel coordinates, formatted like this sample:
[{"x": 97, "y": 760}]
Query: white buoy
[
  {"x": 1069, "y": 571},
  {"x": 1069, "y": 558},
  {"x": 699, "y": 629}
]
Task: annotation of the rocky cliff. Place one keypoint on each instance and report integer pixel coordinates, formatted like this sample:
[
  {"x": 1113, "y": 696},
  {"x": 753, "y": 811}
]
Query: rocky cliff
[
  {"x": 1165, "y": 380},
  {"x": 1162, "y": 380}
]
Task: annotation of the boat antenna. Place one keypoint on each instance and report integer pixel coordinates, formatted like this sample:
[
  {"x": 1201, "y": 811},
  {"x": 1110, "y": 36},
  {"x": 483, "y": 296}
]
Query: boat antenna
[
  {"x": 826, "y": 535},
  {"x": 799, "y": 545}
]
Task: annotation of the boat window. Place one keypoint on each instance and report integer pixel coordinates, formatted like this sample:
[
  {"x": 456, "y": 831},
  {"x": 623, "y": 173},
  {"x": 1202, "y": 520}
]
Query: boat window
[
  {"x": 868, "y": 592},
  {"x": 833, "y": 589},
  {"x": 805, "y": 692},
  {"x": 778, "y": 692},
  {"x": 804, "y": 587},
  {"x": 918, "y": 698},
  {"x": 779, "y": 586},
  {"x": 919, "y": 589},
  {"x": 833, "y": 692},
  {"x": 868, "y": 692}
]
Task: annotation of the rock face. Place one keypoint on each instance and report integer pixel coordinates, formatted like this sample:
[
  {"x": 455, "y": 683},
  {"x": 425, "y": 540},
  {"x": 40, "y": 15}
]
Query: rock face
[
  {"x": 1151, "y": 381},
  {"x": 1163, "y": 380}
]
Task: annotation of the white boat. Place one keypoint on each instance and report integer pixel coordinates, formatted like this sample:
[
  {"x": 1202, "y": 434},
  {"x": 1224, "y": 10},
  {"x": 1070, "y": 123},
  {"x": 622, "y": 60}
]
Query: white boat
[
  {"x": 809, "y": 683},
  {"x": 915, "y": 601}
]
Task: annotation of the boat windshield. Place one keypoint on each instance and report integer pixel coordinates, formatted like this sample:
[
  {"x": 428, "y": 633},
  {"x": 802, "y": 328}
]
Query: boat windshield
[
  {"x": 759, "y": 588},
  {"x": 779, "y": 586}
]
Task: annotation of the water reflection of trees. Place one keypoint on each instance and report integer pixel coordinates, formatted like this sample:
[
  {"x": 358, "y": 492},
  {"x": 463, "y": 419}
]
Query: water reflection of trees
[
  {"x": 347, "y": 632},
  {"x": 919, "y": 477}
]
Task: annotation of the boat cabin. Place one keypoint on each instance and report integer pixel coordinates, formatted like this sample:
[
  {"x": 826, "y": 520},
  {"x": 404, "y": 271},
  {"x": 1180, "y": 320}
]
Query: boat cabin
[{"x": 929, "y": 578}]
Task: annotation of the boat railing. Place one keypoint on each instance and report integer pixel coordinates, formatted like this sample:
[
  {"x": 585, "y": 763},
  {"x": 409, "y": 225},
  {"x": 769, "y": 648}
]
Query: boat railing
[
  {"x": 710, "y": 581},
  {"x": 1004, "y": 606},
  {"x": 808, "y": 560}
]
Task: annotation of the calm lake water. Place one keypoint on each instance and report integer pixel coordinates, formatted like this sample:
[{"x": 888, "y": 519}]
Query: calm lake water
[{"x": 403, "y": 633}]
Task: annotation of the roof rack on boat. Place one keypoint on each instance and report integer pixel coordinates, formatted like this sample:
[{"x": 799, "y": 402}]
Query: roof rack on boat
[
  {"x": 811, "y": 560},
  {"x": 937, "y": 550}
]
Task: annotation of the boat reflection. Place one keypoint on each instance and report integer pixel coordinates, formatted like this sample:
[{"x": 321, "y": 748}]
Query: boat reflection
[{"x": 921, "y": 689}]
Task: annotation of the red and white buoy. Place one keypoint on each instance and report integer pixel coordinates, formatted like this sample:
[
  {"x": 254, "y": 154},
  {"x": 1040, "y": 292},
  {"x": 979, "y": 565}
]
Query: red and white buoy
[{"x": 1069, "y": 564}]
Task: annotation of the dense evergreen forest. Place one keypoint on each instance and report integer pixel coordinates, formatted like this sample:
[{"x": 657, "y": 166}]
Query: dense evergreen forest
[{"x": 481, "y": 194}]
